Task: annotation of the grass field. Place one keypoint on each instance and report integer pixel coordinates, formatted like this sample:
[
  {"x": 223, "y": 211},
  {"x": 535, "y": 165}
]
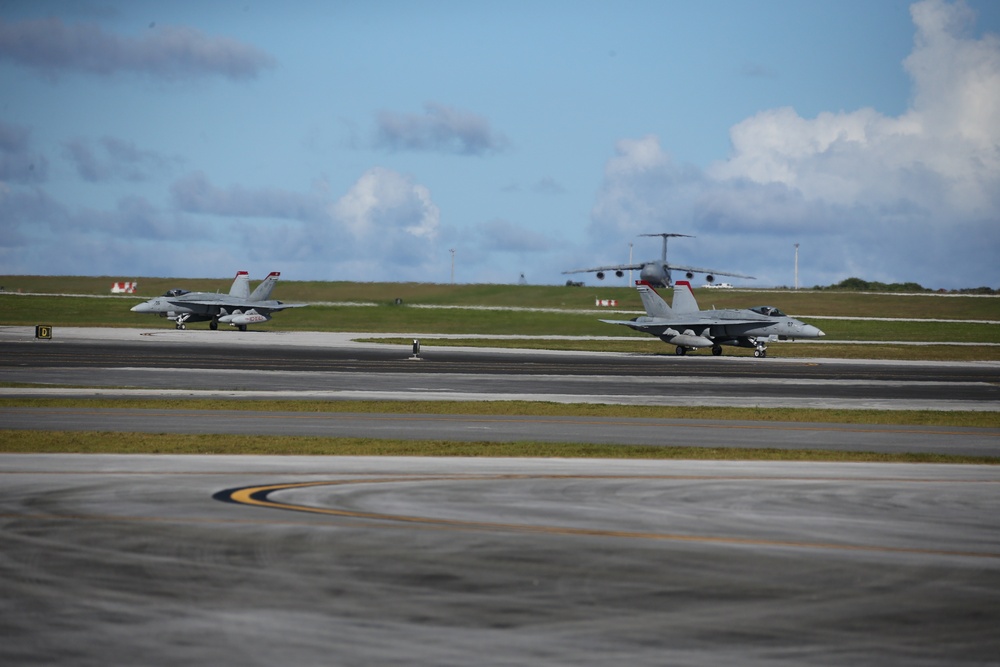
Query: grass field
[
  {"x": 23, "y": 442},
  {"x": 495, "y": 310},
  {"x": 800, "y": 303},
  {"x": 485, "y": 310}
]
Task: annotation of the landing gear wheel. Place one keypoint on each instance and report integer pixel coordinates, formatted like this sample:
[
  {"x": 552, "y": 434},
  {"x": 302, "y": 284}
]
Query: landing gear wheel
[
  {"x": 181, "y": 325},
  {"x": 681, "y": 351},
  {"x": 760, "y": 352},
  {"x": 213, "y": 325},
  {"x": 717, "y": 350}
]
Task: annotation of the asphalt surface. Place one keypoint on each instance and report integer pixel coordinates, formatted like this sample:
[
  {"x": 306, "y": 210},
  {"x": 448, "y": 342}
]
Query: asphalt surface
[
  {"x": 160, "y": 560},
  {"x": 329, "y": 367},
  {"x": 332, "y": 366},
  {"x": 166, "y": 560}
]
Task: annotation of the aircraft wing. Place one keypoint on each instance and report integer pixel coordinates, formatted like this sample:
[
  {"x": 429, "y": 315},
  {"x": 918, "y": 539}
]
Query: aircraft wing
[
  {"x": 619, "y": 267},
  {"x": 230, "y": 304},
  {"x": 647, "y": 323},
  {"x": 672, "y": 267},
  {"x": 201, "y": 302},
  {"x": 694, "y": 269},
  {"x": 705, "y": 320},
  {"x": 633, "y": 323},
  {"x": 275, "y": 307}
]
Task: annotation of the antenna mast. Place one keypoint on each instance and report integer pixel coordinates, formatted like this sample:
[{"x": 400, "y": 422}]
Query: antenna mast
[{"x": 796, "y": 266}]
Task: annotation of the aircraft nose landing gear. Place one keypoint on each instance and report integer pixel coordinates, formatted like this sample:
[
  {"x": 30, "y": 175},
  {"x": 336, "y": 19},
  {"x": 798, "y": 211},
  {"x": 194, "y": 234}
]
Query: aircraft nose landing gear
[{"x": 761, "y": 349}]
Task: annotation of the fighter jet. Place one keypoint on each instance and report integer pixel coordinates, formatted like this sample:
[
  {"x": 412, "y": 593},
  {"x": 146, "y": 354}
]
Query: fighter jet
[
  {"x": 657, "y": 272},
  {"x": 239, "y": 308},
  {"x": 689, "y": 328}
]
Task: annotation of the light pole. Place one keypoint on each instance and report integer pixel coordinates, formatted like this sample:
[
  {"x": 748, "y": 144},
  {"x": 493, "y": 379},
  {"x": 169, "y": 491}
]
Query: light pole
[
  {"x": 796, "y": 266},
  {"x": 452, "y": 251},
  {"x": 630, "y": 281}
]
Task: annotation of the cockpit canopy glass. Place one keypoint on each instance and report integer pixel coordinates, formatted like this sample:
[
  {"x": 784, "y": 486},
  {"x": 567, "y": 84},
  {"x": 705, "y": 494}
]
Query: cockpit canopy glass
[
  {"x": 770, "y": 311},
  {"x": 176, "y": 292}
]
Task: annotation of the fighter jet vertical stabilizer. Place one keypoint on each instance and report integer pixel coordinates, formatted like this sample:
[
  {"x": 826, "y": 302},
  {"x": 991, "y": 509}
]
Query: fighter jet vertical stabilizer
[
  {"x": 684, "y": 301},
  {"x": 263, "y": 291}
]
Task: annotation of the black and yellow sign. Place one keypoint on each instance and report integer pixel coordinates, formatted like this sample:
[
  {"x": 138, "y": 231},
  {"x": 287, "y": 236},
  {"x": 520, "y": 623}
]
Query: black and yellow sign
[{"x": 43, "y": 331}]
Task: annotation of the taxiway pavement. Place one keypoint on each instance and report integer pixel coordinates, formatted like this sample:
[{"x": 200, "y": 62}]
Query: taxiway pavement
[
  {"x": 165, "y": 560},
  {"x": 157, "y": 560}
]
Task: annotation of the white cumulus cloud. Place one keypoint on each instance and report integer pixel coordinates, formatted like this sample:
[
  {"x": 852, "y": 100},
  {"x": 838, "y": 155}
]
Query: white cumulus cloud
[
  {"x": 384, "y": 201},
  {"x": 894, "y": 198}
]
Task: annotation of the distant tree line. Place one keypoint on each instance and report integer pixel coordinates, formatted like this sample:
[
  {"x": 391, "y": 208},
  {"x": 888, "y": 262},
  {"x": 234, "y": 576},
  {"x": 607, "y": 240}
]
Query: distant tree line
[{"x": 859, "y": 285}]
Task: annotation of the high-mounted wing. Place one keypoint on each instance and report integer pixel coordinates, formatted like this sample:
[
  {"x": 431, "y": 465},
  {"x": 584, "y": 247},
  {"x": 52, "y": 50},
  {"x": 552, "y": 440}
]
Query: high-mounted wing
[
  {"x": 693, "y": 269},
  {"x": 619, "y": 267}
]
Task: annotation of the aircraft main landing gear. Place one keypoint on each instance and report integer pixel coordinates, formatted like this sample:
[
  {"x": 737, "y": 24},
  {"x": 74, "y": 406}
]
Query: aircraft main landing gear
[
  {"x": 680, "y": 351},
  {"x": 716, "y": 350},
  {"x": 180, "y": 320}
]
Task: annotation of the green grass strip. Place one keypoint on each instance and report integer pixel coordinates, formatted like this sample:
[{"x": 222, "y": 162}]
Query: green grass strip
[
  {"x": 75, "y": 442},
  {"x": 541, "y": 409},
  {"x": 653, "y": 346}
]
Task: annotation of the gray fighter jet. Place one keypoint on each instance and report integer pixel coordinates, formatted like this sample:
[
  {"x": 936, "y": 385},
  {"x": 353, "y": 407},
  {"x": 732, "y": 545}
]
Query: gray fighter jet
[
  {"x": 239, "y": 308},
  {"x": 657, "y": 272},
  {"x": 689, "y": 328}
]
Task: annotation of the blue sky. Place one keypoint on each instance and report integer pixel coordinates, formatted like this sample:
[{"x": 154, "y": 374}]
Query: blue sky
[{"x": 366, "y": 140}]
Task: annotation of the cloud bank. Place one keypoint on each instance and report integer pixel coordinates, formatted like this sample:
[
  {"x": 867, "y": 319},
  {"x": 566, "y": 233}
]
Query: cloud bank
[
  {"x": 384, "y": 220},
  {"x": 886, "y": 198},
  {"x": 169, "y": 52},
  {"x": 439, "y": 129},
  {"x": 114, "y": 159},
  {"x": 385, "y": 227}
]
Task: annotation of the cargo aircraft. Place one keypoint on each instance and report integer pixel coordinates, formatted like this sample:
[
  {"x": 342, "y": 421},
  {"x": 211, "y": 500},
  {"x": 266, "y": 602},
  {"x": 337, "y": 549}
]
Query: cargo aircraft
[
  {"x": 657, "y": 272},
  {"x": 239, "y": 308},
  {"x": 689, "y": 328}
]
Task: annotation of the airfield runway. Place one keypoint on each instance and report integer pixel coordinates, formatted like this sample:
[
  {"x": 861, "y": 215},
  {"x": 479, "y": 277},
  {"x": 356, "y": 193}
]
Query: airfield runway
[
  {"x": 360, "y": 561},
  {"x": 329, "y": 366},
  {"x": 268, "y": 365}
]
